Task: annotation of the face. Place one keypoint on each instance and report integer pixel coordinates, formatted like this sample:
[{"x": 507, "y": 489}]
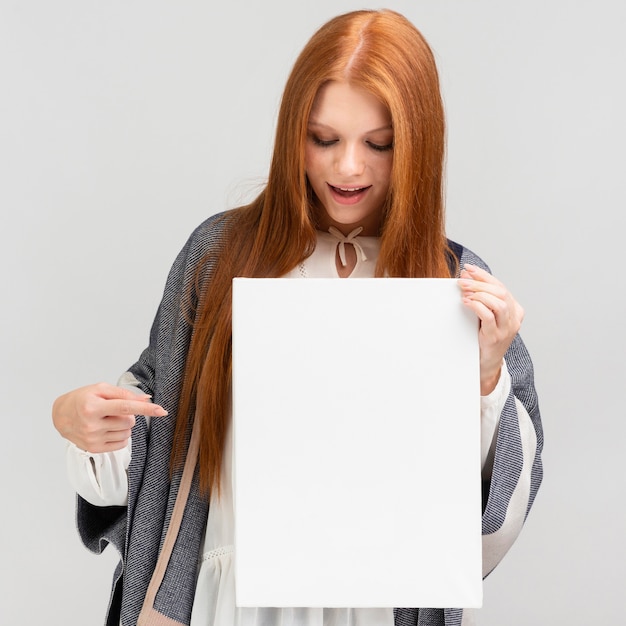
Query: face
[{"x": 348, "y": 157}]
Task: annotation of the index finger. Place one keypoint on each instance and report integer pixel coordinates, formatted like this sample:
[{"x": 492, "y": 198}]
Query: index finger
[
  {"x": 134, "y": 407},
  {"x": 478, "y": 273}
]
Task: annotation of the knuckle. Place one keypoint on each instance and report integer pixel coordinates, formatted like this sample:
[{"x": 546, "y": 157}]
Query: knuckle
[
  {"x": 86, "y": 413},
  {"x": 89, "y": 409},
  {"x": 125, "y": 407},
  {"x": 500, "y": 307},
  {"x": 100, "y": 388},
  {"x": 90, "y": 429}
]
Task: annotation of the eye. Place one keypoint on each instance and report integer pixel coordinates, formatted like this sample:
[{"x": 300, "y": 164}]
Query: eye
[
  {"x": 324, "y": 143},
  {"x": 378, "y": 147}
]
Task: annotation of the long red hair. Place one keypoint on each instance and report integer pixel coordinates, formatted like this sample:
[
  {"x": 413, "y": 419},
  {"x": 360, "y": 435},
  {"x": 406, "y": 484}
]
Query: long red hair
[{"x": 384, "y": 53}]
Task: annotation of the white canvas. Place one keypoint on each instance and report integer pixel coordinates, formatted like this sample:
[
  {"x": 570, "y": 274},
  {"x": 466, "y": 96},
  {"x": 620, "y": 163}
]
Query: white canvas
[{"x": 356, "y": 410}]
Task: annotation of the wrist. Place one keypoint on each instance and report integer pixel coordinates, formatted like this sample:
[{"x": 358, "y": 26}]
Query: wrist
[{"x": 489, "y": 381}]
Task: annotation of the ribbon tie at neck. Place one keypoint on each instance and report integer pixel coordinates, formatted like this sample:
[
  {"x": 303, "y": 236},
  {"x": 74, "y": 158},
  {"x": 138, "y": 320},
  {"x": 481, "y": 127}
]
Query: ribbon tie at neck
[{"x": 342, "y": 240}]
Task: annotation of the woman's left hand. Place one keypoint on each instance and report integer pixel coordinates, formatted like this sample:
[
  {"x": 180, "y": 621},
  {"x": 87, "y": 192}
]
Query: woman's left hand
[{"x": 500, "y": 318}]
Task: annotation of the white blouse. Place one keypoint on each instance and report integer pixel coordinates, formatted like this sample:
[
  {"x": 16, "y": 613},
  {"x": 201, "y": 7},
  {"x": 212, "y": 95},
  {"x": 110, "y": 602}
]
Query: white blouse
[{"x": 101, "y": 479}]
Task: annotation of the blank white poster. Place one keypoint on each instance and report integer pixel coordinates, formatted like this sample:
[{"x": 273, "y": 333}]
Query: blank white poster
[{"x": 356, "y": 408}]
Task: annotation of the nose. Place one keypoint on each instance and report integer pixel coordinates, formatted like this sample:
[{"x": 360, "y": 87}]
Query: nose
[{"x": 350, "y": 160}]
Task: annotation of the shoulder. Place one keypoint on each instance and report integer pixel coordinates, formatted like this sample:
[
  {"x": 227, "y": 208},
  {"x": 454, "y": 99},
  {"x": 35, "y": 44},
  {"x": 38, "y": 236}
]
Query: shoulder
[
  {"x": 207, "y": 239},
  {"x": 212, "y": 231},
  {"x": 201, "y": 249},
  {"x": 465, "y": 255}
]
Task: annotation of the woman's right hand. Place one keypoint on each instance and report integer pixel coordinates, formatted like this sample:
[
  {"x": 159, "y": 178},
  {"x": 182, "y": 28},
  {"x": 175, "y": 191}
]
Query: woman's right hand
[{"x": 99, "y": 418}]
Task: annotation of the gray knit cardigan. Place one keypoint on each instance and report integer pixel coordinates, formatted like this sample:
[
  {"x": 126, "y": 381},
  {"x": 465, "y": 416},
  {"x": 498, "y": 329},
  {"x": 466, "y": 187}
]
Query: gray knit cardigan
[{"x": 158, "y": 534}]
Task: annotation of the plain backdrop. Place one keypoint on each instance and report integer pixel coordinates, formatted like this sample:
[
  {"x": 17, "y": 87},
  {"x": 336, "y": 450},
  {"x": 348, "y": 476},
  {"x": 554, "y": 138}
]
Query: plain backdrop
[{"x": 124, "y": 124}]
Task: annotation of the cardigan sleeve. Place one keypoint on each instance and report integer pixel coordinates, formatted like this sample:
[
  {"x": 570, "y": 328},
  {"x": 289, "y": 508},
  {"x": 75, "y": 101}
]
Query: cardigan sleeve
[
  {"x": 158, "y": 372},
  {"x": 517, "y": 469},
  {"x": 510, "y": 490}
]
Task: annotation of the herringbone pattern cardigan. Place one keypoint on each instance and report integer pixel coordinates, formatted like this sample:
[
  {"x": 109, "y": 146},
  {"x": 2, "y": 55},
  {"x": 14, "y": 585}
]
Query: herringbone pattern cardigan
[{"x": 154, "y": 583}]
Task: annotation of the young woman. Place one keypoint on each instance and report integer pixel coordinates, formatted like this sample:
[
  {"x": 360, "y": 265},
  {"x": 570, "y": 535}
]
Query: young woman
[{"x": 354, "y": 189}]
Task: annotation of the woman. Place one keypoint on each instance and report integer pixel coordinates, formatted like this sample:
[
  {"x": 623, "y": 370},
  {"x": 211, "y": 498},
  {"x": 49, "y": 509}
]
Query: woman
[{"x": 354, "y": 189}]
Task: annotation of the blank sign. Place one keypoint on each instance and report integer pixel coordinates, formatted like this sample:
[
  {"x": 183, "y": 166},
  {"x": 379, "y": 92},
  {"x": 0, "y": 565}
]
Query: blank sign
[{"x": 356, "y": 409}]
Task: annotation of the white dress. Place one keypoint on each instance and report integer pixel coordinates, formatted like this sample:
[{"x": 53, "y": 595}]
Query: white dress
[{"x": 100, "y": 478}]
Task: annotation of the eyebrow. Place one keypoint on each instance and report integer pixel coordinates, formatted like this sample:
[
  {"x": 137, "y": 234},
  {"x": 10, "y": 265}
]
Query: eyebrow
[{"x": 330, "y": 128}]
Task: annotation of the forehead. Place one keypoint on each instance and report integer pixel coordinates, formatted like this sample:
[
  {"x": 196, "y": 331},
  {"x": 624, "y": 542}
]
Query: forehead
[{"x": 341, "y": 102}]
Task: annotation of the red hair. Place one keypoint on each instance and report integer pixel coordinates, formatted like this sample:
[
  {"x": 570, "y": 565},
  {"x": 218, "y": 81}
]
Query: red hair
[{"x": 382, "y": 52}]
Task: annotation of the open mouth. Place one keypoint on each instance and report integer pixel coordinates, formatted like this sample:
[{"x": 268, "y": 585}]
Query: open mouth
[{"x": 348, "y": 192}]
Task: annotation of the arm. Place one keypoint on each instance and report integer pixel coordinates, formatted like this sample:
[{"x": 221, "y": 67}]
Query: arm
[
  {"x": 99, "y": 419},
  {"x": 491, "y": 407},
  {"x": 158, "y": 373},
  {"x": 510, "y": 490}
]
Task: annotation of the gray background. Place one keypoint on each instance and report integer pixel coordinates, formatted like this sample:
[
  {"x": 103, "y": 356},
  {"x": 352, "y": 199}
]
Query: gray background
[{"x": 124, "y": 124}]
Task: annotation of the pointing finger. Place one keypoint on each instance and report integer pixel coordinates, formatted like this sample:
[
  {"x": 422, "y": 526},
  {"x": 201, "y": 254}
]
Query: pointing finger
[{"x": 134, "y": 407}]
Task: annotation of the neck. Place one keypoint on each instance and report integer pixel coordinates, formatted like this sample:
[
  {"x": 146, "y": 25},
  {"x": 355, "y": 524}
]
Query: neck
[{"x": 371, "y": 225}]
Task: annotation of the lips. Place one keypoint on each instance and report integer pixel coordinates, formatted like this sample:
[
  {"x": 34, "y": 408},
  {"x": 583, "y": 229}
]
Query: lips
[{"x": 348, "y": 193}]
